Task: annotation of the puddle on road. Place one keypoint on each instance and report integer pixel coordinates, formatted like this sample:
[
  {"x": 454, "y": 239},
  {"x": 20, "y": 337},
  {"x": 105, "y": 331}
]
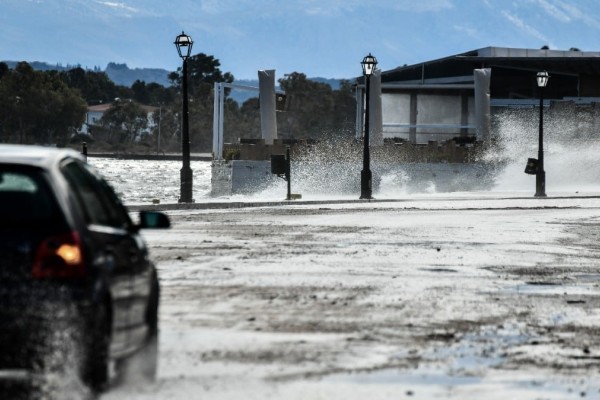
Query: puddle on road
[
  {"x": 546, "y": 288},
  {"x": 412, "y": 378},
  {"x": 473, "y": 365},
  {"x": 430, "y": 383},
  {"x": 456, "y": 364}
]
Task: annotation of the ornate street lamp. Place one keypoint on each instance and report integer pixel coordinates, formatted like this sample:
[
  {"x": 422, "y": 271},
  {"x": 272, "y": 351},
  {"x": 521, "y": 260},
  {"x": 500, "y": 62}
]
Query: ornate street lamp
[
  {"x": 366, "y": 178},
  {"x": 540, "y": 176},
  {"x": 184, "y": 44}
]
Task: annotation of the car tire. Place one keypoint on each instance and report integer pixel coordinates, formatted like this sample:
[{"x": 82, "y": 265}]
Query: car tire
[
  {"x": 143, "y": 365},
  {"x": 96, "y": 343},
  {"x": 152, "y": 308},
  {"x": 149, "y": 354}
]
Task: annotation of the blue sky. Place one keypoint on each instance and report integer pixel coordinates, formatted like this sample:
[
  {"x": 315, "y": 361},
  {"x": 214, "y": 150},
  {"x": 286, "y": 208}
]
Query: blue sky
[{"x": 321, "y": 38}]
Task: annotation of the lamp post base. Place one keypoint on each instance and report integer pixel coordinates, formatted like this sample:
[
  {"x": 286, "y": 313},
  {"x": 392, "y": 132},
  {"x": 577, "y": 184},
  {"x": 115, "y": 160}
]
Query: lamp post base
[
  {"x": 186, "y": 185},
  {"x": 540, "y": 184},
  {"x": 366, "y": 191}
]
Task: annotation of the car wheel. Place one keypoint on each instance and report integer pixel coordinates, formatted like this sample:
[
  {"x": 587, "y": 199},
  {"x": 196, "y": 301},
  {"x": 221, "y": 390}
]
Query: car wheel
[
  {"x": 96, "y": 343},
  {"x": 149, "y": 355},
  {"x": 143, "y": 365},
  {"x": 152, "y": 308}
]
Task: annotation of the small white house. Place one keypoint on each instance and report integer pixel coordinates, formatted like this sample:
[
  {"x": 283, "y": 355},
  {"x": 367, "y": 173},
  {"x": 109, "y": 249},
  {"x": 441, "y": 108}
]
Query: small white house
[{"x": 95, "y": 113}]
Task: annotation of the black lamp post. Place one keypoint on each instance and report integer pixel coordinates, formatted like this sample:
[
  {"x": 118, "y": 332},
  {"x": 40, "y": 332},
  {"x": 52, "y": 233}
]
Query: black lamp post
[
  {"x": 366, "y": 178},
  {"x": 184, "y": 44},
  {"x": 540, "y": 176}
]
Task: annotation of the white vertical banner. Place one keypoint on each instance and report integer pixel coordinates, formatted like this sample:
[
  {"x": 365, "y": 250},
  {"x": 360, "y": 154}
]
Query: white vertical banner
[
  {"x": 268, "y": 113},
  {"x": 217, "y": 139},
  {"x": 375, "y": 110},
  {"x": 482, "y": 79}
]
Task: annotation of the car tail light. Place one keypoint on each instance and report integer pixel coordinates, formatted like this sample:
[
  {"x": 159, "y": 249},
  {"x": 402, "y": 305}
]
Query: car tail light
[{"x": 59, "y": 256}]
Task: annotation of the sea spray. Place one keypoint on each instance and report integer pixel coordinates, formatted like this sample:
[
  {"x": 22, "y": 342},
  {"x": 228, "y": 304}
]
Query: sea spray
[{"x": 571, "y": 148}]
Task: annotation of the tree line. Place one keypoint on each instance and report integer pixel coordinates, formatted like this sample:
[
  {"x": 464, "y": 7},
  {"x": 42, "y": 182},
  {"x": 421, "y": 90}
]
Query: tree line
[{"x": 50, "y": 107}]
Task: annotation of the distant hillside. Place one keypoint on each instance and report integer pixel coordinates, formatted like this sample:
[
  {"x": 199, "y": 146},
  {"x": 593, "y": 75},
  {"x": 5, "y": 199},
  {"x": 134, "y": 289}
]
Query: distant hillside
[
  {"x": 121, "y": 74},
  {"x": 42, "y": 66},
  {"x": 242, "y": 95},
  {"x": 334, "y": 83}
]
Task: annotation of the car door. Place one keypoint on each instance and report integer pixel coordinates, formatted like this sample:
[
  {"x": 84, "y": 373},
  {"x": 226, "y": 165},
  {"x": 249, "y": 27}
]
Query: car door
[
  {"x": 108, "y": 238},
  {"x": 141, "y": 271}
]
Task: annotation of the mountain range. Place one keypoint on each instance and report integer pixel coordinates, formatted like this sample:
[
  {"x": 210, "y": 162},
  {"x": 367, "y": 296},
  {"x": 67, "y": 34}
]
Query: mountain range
[{"x": 122, "y": 75}]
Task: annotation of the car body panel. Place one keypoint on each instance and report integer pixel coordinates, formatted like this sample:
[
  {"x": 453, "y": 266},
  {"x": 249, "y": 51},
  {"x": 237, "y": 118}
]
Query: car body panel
[{"x": 118, "y": 272}]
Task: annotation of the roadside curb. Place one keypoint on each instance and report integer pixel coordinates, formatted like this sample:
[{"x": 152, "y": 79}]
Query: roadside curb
[
  {"x": 248, "y": 204},
  {"x": 256, "y": 204}
]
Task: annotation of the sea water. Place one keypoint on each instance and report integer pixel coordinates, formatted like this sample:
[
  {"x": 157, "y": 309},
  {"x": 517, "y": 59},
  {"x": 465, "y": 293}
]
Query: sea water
[{"x": 572, "y": 165}]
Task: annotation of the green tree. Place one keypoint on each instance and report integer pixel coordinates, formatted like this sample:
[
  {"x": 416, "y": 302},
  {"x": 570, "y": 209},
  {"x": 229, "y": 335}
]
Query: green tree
[
  {"x": 168, "y": 119},
  {"x": 95, "y": 87},
  {"x": 315, "y": 110},
  {"x": 344, "y": 111},
  {"x": 203, "y": 72},
  {"x": 3, "y": 69},
  {"x": 125, "y": 121},
  {"x": 38, "y": 107},
  {"x": 244, "y": 120},
  {"x": 152, "y": 93},
  {"x": 62, "y": 110}
]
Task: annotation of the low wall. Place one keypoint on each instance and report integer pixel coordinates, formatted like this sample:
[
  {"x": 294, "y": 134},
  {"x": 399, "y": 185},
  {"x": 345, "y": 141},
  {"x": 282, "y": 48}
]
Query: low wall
[
  {"x": 339, "y": 178},
  {"x": 240, "y": 177}
]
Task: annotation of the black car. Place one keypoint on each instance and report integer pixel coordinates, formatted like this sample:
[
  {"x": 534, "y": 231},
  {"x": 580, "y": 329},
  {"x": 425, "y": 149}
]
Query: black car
[{"x": 78, "y": 293}]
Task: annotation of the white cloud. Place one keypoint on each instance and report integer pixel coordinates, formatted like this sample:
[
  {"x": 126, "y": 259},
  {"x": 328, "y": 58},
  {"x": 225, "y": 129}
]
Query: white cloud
[
  {"x": 216, "y": 6},
  {"x": 265, "y": 7},
  {"x": 554, "y": 11},
  {"x": 319, "y": 7},
  {"x": 576, "y": 14},
  {"x": 326, "y": 7},
  {"x": 422, "y": 5},
  {"x": 472, "y": 32},
  {"x": 528, "y": 29},
  {"x": 335, "y": 7},
  {"x": 118, "y": 6}
]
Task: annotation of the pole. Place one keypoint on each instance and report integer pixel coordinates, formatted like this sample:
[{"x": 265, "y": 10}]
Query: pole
[
  {"x": 186, "y": 171},
  {"x": 159, "y": 123},
  {"x": 215, "y": 147},
  {"x": 365, "y": 175},
  {"x": 84, "y": 150},
  {"x": 540, "y": 176},
  {"x": 288, "y": 168}
]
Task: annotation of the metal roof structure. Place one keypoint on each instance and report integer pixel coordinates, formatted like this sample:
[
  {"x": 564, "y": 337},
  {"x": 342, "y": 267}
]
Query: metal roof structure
[{"x": 573, "y": 72}]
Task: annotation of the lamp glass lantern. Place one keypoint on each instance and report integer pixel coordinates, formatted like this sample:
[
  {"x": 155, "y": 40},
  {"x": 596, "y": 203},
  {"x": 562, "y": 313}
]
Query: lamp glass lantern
[
  {"x": 368, "y": 64},
  {"x": 184, "y": 45},
  {"x": 542, "y": 79}
]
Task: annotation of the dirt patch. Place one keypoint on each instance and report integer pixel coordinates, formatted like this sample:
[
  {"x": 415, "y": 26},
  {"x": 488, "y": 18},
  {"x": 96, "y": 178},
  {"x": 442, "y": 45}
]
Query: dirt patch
[{"x": 310, "y": 296}]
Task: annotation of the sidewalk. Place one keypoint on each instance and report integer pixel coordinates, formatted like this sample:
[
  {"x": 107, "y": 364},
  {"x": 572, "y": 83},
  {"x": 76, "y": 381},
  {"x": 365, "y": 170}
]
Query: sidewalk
[
  {"x": 527, "y": 201},
  {"x": 431, "y": 297}
]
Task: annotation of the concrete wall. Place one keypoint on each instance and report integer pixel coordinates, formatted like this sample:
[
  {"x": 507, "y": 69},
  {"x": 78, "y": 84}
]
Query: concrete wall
[
  {"x": 422, "y": 117},
  {"x": 240, "y": 177},
  {"x": 343, "y": 178}
]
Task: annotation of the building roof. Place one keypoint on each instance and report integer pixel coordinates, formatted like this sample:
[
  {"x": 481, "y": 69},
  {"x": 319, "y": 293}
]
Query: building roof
[
  {"x": 102, "y": 108},
  {"x": 558, "y": 62},
  {"x": 573, "y": 73}
]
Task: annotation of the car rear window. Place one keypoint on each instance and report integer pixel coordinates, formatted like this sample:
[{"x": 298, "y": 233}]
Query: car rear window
[
  {"x": 99, "y": 203},
  {"x": 26, "y": 199}
]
